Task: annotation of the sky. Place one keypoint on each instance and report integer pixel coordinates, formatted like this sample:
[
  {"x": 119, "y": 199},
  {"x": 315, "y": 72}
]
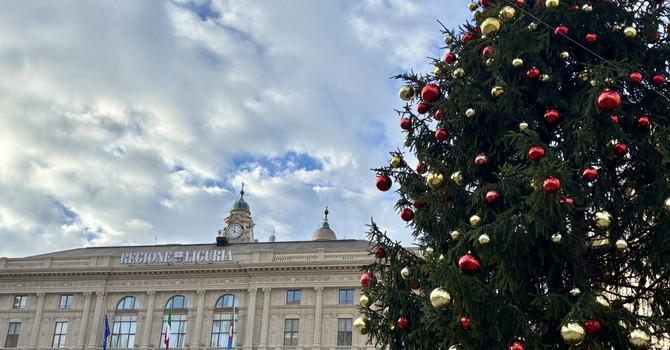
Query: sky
[{"x": 135, "y": 122}]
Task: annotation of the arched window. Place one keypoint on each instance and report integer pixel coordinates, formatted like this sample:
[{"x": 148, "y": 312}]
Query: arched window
[
  {"x": 225, "y": 311},
  {"x": 177, "y": 309},
  {"x": 125, "y": 323}
]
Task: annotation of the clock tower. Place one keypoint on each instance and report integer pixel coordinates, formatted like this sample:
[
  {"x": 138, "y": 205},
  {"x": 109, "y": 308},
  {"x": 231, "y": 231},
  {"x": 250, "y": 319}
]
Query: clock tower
[{"x": 239, "y": 224}]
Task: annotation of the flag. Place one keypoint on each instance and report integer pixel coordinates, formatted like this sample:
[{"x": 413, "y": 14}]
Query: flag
[
  {"x": 168, "y": 330},
  {"x": 105, "y": 334},
  {"x": 232, "y": 330}
]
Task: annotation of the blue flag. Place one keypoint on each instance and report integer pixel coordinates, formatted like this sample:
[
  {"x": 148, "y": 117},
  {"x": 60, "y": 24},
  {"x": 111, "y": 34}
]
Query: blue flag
[{"x": 106, "y": 334}]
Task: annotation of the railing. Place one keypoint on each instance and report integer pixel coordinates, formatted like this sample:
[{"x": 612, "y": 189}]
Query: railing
[
  {"x": 71, "y": 262},
  {"x": 295, "y": 257},
  {"x": 26, "y": 263}
]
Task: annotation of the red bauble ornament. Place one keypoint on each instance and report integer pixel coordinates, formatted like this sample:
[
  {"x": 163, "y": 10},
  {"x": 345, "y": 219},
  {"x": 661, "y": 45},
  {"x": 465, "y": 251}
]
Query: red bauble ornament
[
  {"x": 635, "y": 78},
  {"x": 367, "y": 279},
  {"x": 592, "y": 326},
  {"x": 441, "y": 134},
  {"x": 536, "y": 153},
  {"x": 422, "y": 108},
  {"x": 417, "y": 203},
  {"x": 403, "y": 322},
  {"x": 517, "y": 345},
  {"x": 568, "y": 202},
  {"x": 654, "y": 37},
  {"x": 533, "y": 73},
  {"x": 380, "y": 253},
  {"x": 438, "y": 115},
  {"x": 405, "y": 123},
  {"x": 420, "y": 168},
  {"x": 492, "y": 196},
  {"x": 620, "y": 149},
  {"x": 614, "y": 118},
  {"x": 487, "y": 51},
  {"x": 484, "y": 3},
  {"x": 466, "y": 323},
  {"x": 450, "y": 57},
  {"x": 469, "y": 264},
  {"x": 590, "y": 174},
  {"x": 430, "y": 93},
  {"x": 551, "y": 185},
  {"x": 658, "y": 79},
  {"x": 609, "y": 101},
  {"x": 574, "y": 8},
  {"x": 520, "y": 2},
  {"x": 384, "y": 183},
  {"x": 481, "y": 159},
  {"x": 591, "y": 38},
  {"x": 643, "y": 122},
  {"x": 468, "y": 36},
  {"x": 407, "y": 214},
  {"x": 552, "y": 116},
  {"x": 561, "y": 30}
]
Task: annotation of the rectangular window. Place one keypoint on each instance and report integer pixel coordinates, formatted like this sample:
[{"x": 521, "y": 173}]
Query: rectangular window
[
  {"x": 344, "y": 331},
  {"x": 20, "y": 301},
  {"x": 123, "y": 331},
  {"x": 13, "y": 335},
  {"x": 291, "y": 326},
  {"x": 346, "y": 296},
  {"x": 59, "y": 335},
  {"x": 221, "y": 331},
  {"x": 293, "y": 297},
  {"x": 178, "y": 330},
  {"x": 65, "y": 301}
]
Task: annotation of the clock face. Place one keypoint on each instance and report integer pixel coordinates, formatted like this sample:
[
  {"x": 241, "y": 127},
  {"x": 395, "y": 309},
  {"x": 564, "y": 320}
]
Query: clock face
[{"x": 235, "y": 231}]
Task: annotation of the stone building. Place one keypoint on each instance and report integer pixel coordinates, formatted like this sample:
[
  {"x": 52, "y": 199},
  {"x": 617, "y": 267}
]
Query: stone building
[{"x": 283, "y": 295}]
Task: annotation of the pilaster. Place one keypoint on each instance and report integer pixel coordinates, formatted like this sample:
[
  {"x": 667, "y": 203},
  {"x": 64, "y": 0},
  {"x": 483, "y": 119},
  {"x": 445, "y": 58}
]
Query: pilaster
[{"x": 251, "y": 313}]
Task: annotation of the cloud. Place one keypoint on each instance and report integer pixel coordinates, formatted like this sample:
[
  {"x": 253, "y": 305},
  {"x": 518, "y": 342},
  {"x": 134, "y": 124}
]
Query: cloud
[{"x": 128, "y": 120}]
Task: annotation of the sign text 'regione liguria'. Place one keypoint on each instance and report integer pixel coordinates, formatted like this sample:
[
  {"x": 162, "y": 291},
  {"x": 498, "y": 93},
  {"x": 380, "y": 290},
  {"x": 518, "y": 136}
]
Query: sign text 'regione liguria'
[{"x": 178, "y": 257}]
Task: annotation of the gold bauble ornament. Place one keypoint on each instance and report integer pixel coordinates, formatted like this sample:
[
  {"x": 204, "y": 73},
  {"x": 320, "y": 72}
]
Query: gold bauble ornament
[
  {"x": 587, "y": 8},
  {"x": 405, "y": 273},
  {"x": 475, "y": 221},
  {"x": 457, "y": 178},
  {"x": 434, "y": 180},
  {"x": 497, "y": 91},
  {"x": 455, "y": 235},
  {"x": 666, "y": 204},
  {"x": 448, "y": 39},
  {"x": 574, "y": 292},
  {"x": 517, "y": 63},
  {"x": 455, "y": 347},
  {"x": 552, "y": 4},
  {"x": 437, "y": 71},
  {"x": 428, "y": 251},
  {"x": 617, "y": 27},
  {"x": 630, "y": 32},
  {"x": 565, "y": 55},
  {"x": 621, "y": 245},
  {"x": 639, "y": 339},
  {"x": 458, "y": 73},
  {"x": 583, "y": 75},
  {"x": 573, "y": 333},
  {"x": 470, "y": 112},
  {"x": 406, "y": 92},
  {"x": 603, "y": 220},
  {"x": 476, "y": 14},
  {"x": 484, "y": 239},
  {"x": 557, "y": 238},
  {"x": 532, "y": 26},
  {"x": 600, "y": 299},
  {"x": 472, "y": 6},
  {"x": 386, "y": 311},
  {"x": 507, "y": 13},
  {"x": 489, "y": 62},
  {"x": 439, "y": 298},
  {"x": 364, "y": 301},
  {"x": 624, "y": 2},
  {"x": 407, "y": 142},
  {"x": 523, "y": 126},
  {"x": 441, "y": 257},
  {"x": 545, "y": 78},
  {"x": 361, "y": 326},
  {"x": 600, "y": 241},
  {"x": 395, "y": 162},
  {"x": 490, "y": 26}
]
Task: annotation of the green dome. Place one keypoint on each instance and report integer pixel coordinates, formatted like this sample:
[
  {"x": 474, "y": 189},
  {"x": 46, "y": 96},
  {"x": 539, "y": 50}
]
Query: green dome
[{"x": 240, "y": 204}]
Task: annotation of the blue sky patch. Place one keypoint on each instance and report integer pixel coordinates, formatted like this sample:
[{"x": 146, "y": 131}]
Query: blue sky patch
[{"x": 289, "y": 161}]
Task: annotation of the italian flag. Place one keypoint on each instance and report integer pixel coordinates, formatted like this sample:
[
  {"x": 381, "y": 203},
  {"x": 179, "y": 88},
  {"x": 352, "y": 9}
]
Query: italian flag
[
  {"x": 231, "y": 332},
  {"x": 168, "y": 330}
]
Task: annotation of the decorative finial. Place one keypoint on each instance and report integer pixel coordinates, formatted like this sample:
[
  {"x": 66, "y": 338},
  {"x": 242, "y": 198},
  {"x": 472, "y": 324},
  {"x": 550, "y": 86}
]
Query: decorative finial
[
  {"x": 242, "y": 191},
  {"x": 325, "y": 215}
]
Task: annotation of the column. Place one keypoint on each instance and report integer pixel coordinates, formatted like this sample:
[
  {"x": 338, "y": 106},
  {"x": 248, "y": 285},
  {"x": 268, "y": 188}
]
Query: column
[
  {"x": 266, "y": 319},
  {"x": 94, "y": 334},
  {"x": 251, "y": 312},
  {"x": 84, "y": 320},
  {"x": 317, "y": 318},
  {"x": 35, "y": 332},
  {"x": 198, "y": 320},
  {"x": 148, "y": 320}
]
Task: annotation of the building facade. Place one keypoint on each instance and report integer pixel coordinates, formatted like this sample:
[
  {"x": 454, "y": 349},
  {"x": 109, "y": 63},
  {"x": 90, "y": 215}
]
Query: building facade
[{"x": 279, "y": 295}]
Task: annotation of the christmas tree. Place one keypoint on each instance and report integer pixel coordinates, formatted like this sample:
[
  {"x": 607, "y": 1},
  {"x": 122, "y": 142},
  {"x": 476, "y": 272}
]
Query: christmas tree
[{"x": 541, "y": 198}]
